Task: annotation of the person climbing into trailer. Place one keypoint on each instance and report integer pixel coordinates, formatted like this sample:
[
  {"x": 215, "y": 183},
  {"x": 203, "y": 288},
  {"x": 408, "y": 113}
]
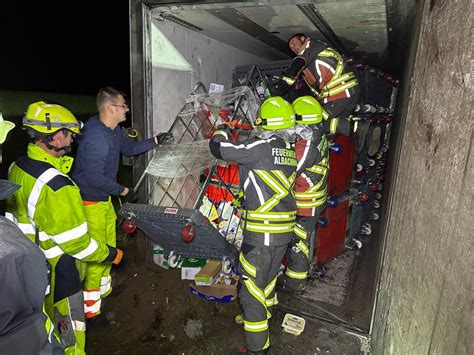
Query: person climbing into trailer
[
  {"x": 48, "y": 209},
  {"x": 267, "y": 172},
  {"x": 310, "y": 193},
  {"x": 95, "y": 172},
  {"x": 328, "y": 76}
]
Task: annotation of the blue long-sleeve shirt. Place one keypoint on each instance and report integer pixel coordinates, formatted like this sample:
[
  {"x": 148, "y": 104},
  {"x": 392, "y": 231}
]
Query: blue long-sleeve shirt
[{"x": 98, "y": 156}]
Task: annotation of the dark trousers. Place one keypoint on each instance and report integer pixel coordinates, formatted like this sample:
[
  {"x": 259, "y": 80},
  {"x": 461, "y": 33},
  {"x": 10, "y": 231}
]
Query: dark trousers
[{"x": 259, "y": 267}]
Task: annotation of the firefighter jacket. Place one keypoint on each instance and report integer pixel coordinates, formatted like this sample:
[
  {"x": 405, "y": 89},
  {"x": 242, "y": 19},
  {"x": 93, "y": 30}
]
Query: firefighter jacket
[
  {"x": 312, "y": 173},
  {"x": 48, "y": 208},
  {"x": 98, "y": 156},
  {"x": 325, "y": 71},
  {"x": 267, "y": 170}
]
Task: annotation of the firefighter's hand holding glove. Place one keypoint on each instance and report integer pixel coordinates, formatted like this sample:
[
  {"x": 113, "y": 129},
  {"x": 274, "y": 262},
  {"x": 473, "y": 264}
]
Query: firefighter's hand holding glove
[
  {"x": 164, "y": 138},
  {"x": 129, "y": 195}
]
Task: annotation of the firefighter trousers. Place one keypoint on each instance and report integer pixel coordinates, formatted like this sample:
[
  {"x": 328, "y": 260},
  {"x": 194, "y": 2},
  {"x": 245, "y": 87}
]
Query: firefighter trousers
[
  {"x": 299, "y": 254},
  {"x": 65, "y": 305},
  {"x": 338, "y": 111},
  {"x": 259, "y": 268},
  {"x": 101, "y": 220}
]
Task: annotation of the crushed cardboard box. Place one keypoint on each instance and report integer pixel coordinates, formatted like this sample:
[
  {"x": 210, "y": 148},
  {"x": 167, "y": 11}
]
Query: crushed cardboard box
[{"x": 218, "y": 292}]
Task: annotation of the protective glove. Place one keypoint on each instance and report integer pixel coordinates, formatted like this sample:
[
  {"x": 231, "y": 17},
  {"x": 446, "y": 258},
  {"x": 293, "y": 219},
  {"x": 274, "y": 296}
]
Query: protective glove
[
  {"x": 164, "y": 138},
  {"x": 288, "y": 80},
  {"x": 130, "y": 197},
  {"x": 118, "y": 257}
]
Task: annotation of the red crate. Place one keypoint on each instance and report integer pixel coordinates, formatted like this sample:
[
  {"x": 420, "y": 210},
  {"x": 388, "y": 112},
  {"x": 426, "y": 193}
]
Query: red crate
[
  {"x": 330, "y": 241},
  {"x": 341, "y": 166}
]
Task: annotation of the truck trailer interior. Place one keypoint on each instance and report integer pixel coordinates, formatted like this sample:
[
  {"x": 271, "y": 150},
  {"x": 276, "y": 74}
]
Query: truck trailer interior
[{"x": 411, "y": 278}]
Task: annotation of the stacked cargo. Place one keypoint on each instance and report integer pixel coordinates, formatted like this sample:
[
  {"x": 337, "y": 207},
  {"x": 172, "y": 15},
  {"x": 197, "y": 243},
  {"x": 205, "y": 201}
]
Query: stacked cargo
[
  {"x": 196, "y": 213},
  {"x": 357, "y": 158}
]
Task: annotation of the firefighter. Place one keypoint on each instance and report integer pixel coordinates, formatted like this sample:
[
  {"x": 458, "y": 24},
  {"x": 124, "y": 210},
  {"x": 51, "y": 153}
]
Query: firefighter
[
  {"x": 24, "y": 328},
  {"x": 267, "y": 173},
  {"x": 310, "y": 192},
  {"x": 328, "y": 76},
  {"x": 48, "y": 209}
]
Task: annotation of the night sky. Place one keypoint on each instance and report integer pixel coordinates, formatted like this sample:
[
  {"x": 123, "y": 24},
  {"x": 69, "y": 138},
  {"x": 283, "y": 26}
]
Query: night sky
[{"x": 72, "y": 47}]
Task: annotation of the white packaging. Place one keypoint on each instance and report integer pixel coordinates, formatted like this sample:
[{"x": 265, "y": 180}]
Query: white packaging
[
  {"x": 293, "y": 324},
  {"x": 159, "y": 257}
]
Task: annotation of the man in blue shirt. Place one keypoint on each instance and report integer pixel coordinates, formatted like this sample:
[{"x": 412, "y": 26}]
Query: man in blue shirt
[{"x": 95, "y": 172}]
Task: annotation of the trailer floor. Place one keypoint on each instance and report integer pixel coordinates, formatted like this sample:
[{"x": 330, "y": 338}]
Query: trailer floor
[{"x": 156, "y": 314}]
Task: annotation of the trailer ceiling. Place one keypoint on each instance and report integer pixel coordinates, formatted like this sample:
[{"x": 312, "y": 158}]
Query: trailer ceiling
[{"x": 373, "y": 30}]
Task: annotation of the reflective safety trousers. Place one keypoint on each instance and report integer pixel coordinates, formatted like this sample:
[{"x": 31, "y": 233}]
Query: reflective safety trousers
[
  {"x": 312, "y": 173},
  {"x": 259, "y": 267},
  {"x": 300, "y": 253},
  {"x": 267, "y": 170},
  {"x": 101, "y": 220}
]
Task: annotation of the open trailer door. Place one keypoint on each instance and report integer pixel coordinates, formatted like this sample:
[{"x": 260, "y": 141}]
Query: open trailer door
[{"x": 209, "y": 45}]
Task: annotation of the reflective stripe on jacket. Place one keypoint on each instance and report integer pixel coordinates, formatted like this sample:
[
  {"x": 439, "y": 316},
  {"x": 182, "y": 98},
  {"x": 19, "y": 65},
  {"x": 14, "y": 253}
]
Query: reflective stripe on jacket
[
  {"x": 325, "y": 72},
  {"x": 49, "y": 202},
  {"x": 267, "y": 174},
  {"x": 311, "y": 181}
]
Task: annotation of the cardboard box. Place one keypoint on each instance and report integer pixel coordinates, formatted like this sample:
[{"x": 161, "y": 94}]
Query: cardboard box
[
  {"x": 190, "y": 267},
  {"x": 209, "y": 273},
  {"x": 218, "y": 292}
]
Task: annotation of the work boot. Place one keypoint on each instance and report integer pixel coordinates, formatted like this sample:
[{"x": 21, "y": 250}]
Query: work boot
[
  {"x": 243, "y": 350},
  {"x": 315, "y": 272}
]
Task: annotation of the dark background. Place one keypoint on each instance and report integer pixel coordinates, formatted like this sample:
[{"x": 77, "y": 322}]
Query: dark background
[{"x": 72, "y": 47}]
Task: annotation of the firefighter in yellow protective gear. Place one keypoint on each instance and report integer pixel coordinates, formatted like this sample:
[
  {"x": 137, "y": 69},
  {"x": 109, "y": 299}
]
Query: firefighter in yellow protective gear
[
  {"x": 267, "y": 172},
  {"x": 329, "y": 78},
  {"x": 48, "y": 209},
  {"x": 310, "y": 192}
]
